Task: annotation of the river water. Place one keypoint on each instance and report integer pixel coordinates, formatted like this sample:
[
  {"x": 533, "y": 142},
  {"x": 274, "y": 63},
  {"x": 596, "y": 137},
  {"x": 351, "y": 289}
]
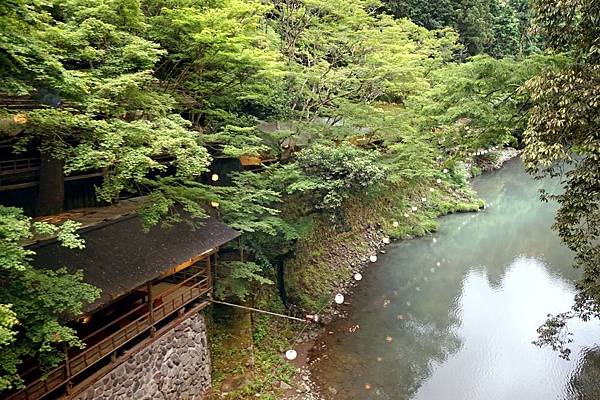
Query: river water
[{"x": 452, "y": 316}]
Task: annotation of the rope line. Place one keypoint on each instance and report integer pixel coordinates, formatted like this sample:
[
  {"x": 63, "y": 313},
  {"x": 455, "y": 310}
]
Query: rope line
[
  {"x": 306, "y": 324},
  {"x": 257, "y": 310}
]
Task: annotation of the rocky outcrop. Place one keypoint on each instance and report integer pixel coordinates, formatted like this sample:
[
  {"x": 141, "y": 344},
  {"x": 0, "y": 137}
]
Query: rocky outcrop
[{"x": 176, "y": 366}]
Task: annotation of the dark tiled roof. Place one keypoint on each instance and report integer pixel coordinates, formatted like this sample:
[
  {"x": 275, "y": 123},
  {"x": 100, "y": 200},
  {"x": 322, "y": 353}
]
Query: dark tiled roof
[{"x": 119, "y": 256}]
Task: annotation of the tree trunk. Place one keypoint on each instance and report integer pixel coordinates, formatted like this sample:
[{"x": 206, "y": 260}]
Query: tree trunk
[
  {"x": 281, "y": 281},
  {"x": 51, "y": 190}
]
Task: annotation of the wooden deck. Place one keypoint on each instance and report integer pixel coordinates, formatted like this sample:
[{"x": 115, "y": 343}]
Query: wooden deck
[{"x": 173, "y": 298}]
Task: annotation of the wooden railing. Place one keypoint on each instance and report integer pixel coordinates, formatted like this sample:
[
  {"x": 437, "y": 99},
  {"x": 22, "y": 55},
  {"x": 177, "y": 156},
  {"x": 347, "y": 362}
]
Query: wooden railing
[
  {"x": 9, "y": 167},
  {"x": 146, "y": 317}
]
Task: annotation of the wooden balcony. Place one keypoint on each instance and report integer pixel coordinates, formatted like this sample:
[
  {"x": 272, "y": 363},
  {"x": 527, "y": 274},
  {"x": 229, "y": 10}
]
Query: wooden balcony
[{"x": 163, "y": 301}]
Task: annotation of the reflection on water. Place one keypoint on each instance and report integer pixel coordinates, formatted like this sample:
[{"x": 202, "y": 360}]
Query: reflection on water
[{"x": 454, "y": 318}]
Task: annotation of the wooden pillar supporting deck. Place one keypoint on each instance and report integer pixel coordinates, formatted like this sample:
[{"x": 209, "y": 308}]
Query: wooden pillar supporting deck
[
  {"x": 68, "y": 385},
  {"x": 151, "y": 308},
  {"x": 209, "y": 278}
]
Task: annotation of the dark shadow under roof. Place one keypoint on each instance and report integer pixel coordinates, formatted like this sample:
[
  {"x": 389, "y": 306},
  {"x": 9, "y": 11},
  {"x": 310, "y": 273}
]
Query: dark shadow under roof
[{"x": 119, "y": 256}]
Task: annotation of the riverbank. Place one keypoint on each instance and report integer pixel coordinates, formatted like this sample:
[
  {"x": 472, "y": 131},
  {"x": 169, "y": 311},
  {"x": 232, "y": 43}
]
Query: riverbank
[
  {"x": 324, "y": 265},
  {"x": 453, "y": 314}
]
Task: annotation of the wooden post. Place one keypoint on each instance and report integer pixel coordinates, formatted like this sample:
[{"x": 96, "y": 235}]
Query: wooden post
[
  {"x": 69, "y": 385},
  {"x": 51, "y": 190},
  {"x": 209, "y": 279},
  {"x": 151, "y": 308}
]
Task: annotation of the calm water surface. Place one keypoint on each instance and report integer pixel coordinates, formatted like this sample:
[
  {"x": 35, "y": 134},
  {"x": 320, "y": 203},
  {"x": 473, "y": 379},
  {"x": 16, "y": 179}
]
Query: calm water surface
[{"x": 452, "y": 316}]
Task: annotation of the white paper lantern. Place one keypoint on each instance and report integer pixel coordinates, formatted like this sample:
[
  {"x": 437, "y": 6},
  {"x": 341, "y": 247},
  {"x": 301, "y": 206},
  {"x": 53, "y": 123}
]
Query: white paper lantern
[
  {"x": 357, "y": 276},
  {"x": 291, "y": 355},
  {"x": 373, "y": 258},
  {"x": 339, "y": 298}
]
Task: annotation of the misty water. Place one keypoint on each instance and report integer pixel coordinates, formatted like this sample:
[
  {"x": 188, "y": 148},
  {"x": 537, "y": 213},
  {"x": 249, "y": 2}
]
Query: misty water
[{"x": 452, "y": 316}]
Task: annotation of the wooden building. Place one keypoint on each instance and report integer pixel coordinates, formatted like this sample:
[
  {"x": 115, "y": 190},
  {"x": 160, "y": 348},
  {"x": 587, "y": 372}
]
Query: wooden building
[{"x": 150, "y": 282}]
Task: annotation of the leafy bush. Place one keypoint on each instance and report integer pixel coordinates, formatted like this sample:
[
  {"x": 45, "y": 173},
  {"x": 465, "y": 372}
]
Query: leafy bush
[
  {"x": 333, "y": 174},
  {"x": 35, "y": 302}
]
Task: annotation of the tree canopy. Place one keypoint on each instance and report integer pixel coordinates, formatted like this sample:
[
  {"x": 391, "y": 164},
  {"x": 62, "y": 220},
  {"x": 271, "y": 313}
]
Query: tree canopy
[
  {"x": 366, "y": 99},
  {"x": 563, "y": 139}
]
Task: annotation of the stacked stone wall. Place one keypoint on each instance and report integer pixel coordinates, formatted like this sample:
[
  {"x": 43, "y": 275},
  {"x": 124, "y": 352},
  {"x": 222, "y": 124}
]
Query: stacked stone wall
[{"x": 175, "y": 366}]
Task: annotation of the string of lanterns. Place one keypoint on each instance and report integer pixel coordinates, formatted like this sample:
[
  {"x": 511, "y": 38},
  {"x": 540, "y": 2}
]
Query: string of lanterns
[
  {"x": 339, "y": 299},
  {"x": 482, "y": 152}
]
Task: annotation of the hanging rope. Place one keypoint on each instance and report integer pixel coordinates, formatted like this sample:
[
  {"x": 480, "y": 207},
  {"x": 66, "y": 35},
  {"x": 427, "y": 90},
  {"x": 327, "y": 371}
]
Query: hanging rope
[
  {"x": 258, "y": 311},
  {"x": 306, "y": 324},
  {"x": 310, "y": 318}
]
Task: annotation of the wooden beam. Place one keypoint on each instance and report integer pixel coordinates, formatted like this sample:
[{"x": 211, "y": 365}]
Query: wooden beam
[{"x": 188, "y": 263}]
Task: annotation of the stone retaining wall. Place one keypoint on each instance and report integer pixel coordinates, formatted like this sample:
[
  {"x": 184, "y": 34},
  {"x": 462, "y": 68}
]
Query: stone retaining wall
[{"x": 175, "y": 366}]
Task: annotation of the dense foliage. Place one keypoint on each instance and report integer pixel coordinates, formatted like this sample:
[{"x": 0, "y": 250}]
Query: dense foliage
[
  {"x": 495, "y": 27},
  {"x": 35, "y": 301},
  {"x": 342, "y": 99},
  {"x": 563, "y": 139}
]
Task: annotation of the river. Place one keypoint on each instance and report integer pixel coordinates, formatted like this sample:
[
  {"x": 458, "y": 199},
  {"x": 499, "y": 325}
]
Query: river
[{"x": 452, "y": 316}]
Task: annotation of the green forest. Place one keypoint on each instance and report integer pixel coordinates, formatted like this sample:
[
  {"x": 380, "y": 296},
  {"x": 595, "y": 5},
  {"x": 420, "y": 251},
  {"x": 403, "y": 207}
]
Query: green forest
[{"x": 356, "y": 110}]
